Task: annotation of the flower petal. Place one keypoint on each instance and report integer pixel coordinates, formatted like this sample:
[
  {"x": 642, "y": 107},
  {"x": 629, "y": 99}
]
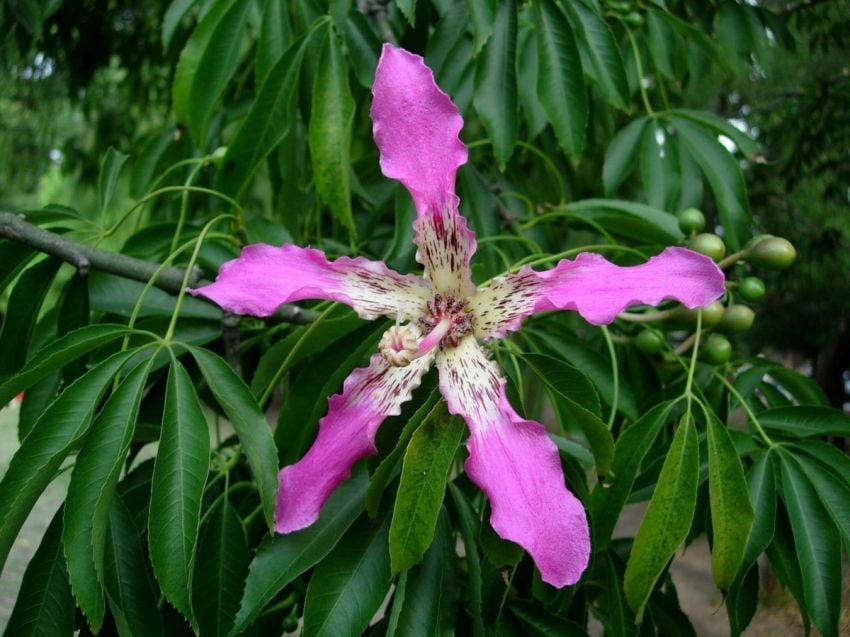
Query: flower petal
[
  {"x": 264, "y": 277},
  {"x": 596, "y": 288},
  {"x": 346, "y": 434},
  {"x": 517, "y": 466},
  {"x": 445, "y": 247},
  {"x": 416, "y": 128}
]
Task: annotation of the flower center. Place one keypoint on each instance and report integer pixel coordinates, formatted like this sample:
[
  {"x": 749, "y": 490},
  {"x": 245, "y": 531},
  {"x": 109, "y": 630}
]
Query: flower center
[
  {"x": 399, "y": 345},
  {"x": 447, "y": 321}
]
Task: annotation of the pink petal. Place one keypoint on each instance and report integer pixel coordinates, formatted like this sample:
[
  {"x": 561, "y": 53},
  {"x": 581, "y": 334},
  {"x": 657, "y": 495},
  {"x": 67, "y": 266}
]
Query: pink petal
[
  {"x": 416, "y": 128},
  {"x": 346, "y": 434},
  {"x": 517, "y": 466},
  {"x": 264, "y": 277},
  {"x": 596, "y": 288}
]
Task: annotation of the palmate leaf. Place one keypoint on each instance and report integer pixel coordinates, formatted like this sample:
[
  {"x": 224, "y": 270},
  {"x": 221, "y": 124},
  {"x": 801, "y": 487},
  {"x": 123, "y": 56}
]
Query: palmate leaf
[
  {"x": 91, "y": 489},
  {"x": 731, "y": 512},
  {"x": 44, "y": 605},
  {"x": 58, "y": 354},
  {"x": 220, "y": 570},
  {"x": 331, "y": 120},
  {"x": 632, "y": 446},
  {"x": 806, "y": 421},
  {"x": 560, "y": 83},
  {"x": 723, "y": 174},
  {"x": 62, "y": 425},
  {"x": 426, "y": 465},
  {"x": 496, "y": 99},
  {"x": 250, "y": 424},
  {"x": 348, "y": 586},
  {"x": 817, "y": 545},
  {"x": 576, "y": 402},
  {"x": 270, "y": 119},
  {"x": 425, "y": 597},
  {"x": 132, "y": 594},
  {"x": 668, "y": 517},
  {"x": 22, "y": 312},
  {"x": 469, "y": 524},
  {"x": 179, "y": 476},
  {"x": 281, "y": 559},
  {"x": 206, "y": 65}
]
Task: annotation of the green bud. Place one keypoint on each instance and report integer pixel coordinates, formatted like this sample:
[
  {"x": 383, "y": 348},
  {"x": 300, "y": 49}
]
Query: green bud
[
  {"x": 708, "y": 244},
  {"x": 634, "y": 19},
  {"x": 650, "y": 341},
  {"x": 218, "y": 154},
  {"x": 711, "y": 314},
  {"x": 691, "y": 220},
  {"x": 736, "y": 320},
  {"x": 716, "y": 350},
  {"x": 751, "y": 288},
  {"x": 773, "y": 253}
]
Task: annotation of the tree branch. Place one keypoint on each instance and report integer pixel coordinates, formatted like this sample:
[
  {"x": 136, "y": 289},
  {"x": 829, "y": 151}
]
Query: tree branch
[{"x": 84, "y": 257}]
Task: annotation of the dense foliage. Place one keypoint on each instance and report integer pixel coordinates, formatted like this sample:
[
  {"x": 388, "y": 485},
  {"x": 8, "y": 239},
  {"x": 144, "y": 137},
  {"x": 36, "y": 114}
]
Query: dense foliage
[{"x": 167, "y": 137}]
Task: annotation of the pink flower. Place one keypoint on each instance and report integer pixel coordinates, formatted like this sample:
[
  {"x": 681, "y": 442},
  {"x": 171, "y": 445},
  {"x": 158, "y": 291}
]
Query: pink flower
[{"x": 444, "y": 318}]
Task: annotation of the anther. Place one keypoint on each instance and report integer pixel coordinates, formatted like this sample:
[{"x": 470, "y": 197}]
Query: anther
[{"x": 399, "y": 345}]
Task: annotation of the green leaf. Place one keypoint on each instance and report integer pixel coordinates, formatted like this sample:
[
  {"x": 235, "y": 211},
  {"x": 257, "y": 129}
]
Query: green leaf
[
  {"x": 448, "y": 32},
  {"x": 388, "y": 468},
  {"x": 618, "y": 620},
  {"x": 469, "y": 531},
  {"x": 621, "y": 154},
  {"x": 179, "y": 476},
  {"x": 58, "y": 430},
  {"x": 595, "y": 365},
  {"x": 690, "y": 179},
  {"x": 560, "y": 84},
  {"x": 427, "y": 461},
  {"x": 699, "y": 38},
  {"x": 661, "y": 42},
  {"x": 330, "y": 132},
  {"x": 206, "y": 65},
  {"x": 174, "y": 15},
  {"x": 482, "y": 16},
  {"x": 575, "y": 400},
  {"x": 540, "y": 623},
  {"x": 725, "y": 178},
  {"x": 817, "y": 544},
  {"x": 282, "y": 558},
  {"x": 220, "y": 570},
  {"x": 22, "y": 313},
  {"x": 275, "y": 38},
  {"x": 527, "y": 65},
  {"x": 600, "y": 49},
  {"x": 28, "y": 13},
  {"x": 110, "y": 169},
  {"x": 785, "y": 565},
  {"x": 762, "y": 493},
  {"x": 828, "y": 455},
  {"x": 424, "y": 602},
  {"x": 719, "y": 126},
  {"x": 117, "y": 295},
  {"x": 91, "y": 489},
  {"x": 659, "y": 167},
  {"x": 58, "y": 354},
  {"x": 608, "y": 498},
  {"x": 803, "y": 422},
  {"x": 408, "y": 10},
  {"x": 804, "y": 389},
  {"x": 495, "y": 96},
  {"x": 270, "y": 119},
  {"x": 250, "y": 424},
  {"x": 633, "y": 220},
  {"x": 668, "y": 517},
  {"x": 731, "y": 512},
  {"x": 132, "y": 594},
  {"x": 348, "y": 586},
  {"x": 363, "y": 47},
  {"x": 44, "y": 605},
  {"x": 834, "y": 492},
  {"x": 15, "y": 257}
]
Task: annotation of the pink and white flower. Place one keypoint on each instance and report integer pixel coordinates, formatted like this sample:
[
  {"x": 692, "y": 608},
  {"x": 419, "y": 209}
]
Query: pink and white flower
[{"x": 443, "y": 318}]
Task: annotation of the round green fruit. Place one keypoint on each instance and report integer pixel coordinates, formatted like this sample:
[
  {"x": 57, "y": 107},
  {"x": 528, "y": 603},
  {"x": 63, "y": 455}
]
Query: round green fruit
[
  {"x": 691, "y": 220},
  {"x": 736, "y": 320},
  {"x": 751, "y": 288},
  {"x": 716, "y": 350},
  {"x": 650, "y": 341},
  {"x": 708, "y": 244},
  {"x": 774, "y": 253}
]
